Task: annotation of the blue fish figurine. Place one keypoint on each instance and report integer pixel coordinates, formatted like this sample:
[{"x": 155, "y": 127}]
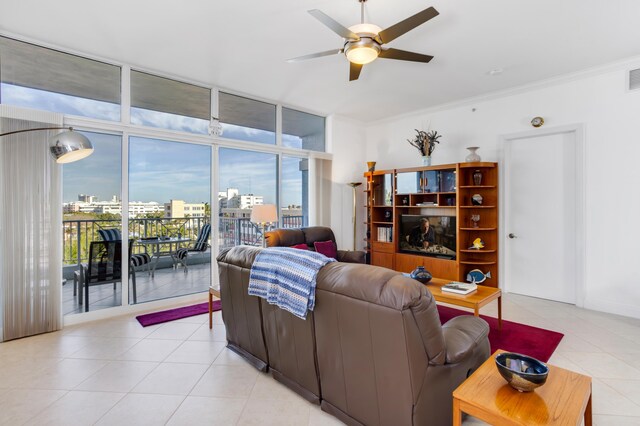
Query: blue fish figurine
[{"x": 477, "y": 276}]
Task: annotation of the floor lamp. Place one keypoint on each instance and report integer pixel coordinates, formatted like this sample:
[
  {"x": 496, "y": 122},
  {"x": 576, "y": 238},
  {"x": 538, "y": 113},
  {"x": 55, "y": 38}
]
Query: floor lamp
[
  {"x": 353, "y": 186},
  {"x": 65, "y": 147}
]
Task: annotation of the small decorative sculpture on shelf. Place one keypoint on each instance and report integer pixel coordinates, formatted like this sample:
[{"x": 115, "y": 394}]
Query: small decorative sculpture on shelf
[
  {"x": 477, "y": 178},
  {"x": 475, "y": 218}
]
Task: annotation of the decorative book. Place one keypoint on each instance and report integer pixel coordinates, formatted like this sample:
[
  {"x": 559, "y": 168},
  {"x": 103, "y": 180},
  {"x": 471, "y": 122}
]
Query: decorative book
[{"x": 459, "y": 288}]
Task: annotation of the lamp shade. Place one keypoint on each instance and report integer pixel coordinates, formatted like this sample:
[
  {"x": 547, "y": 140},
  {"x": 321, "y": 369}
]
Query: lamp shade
[
  {"x": 265, "y": 213},
  {"x": 70, "y": 146}
]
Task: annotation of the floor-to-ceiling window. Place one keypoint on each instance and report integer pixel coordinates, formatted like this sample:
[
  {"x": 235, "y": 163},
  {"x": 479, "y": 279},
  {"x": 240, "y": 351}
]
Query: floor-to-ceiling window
[
  {"x": 171, "y": 130},
  {"x": 169, "y": 218},
  {"x": 91, "y": 205},
  {"x": 246, "y": 179},
  {"x": 295, "y": 192}
]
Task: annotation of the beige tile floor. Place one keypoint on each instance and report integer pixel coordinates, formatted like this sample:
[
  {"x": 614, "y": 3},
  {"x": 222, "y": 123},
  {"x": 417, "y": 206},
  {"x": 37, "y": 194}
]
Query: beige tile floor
[{"x": 115, "y": 372}]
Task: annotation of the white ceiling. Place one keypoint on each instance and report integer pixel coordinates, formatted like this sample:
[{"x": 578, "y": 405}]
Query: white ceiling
[{"x": 242, "y": 45}]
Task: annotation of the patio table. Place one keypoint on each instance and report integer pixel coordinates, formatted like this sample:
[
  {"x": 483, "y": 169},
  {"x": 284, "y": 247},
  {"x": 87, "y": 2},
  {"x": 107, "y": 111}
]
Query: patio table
[{"x": 155, "y": 243}]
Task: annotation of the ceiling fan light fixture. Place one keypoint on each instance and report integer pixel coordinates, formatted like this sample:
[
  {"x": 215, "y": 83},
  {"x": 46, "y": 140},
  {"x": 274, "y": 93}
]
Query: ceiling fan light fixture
[
  {"x": 365, "y": 29},
  {"x": 362, "y": 55}
]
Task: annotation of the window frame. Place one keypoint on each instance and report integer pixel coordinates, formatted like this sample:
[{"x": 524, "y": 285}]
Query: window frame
[{"x": 126, "y": 130}]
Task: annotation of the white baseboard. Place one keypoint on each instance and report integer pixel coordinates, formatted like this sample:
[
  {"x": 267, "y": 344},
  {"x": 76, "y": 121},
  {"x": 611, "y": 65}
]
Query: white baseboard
[{"x": 612, "y": 307}]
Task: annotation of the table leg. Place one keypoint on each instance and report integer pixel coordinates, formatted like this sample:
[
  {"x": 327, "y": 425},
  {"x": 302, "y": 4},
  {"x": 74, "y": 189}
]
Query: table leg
[
  {"x": 500, "y": 312},
  {"x": 587, "y": 413},
  {"x": 156, "y": 256},
  {"x": 210, "y": 310},
  {"x": 457, "y": 414},
  {"x": 476, "y": 311}
]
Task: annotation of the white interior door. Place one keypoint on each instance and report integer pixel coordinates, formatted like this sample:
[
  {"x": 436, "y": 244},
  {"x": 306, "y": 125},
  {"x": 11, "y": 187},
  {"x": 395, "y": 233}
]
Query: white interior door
[{"x": 540, "y": 216}]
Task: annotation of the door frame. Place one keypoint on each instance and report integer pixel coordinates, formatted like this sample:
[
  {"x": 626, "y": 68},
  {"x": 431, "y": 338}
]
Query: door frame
[{"x": 580, "y": 208}]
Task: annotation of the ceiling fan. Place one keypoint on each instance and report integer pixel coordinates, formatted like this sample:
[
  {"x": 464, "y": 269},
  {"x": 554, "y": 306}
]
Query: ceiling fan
[{"x": 364, "y": 42}]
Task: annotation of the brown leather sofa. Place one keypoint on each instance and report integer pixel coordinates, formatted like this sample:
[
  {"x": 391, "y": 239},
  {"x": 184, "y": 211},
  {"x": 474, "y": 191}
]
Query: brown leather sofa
[
  {"x": 308, "y": 236},
  {"x": 372, "y": 352}
]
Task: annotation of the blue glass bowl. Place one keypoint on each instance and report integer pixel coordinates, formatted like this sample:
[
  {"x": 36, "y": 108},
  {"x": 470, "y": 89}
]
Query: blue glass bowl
[{"x": 522, "y": 372}]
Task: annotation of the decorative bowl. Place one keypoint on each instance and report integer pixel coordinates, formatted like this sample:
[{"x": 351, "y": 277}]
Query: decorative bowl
[
  {"x": 421, "y": 274},
  {"x": 522, "y": 372}
]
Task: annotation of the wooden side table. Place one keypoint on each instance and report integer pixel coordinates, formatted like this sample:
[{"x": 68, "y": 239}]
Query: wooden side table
[
  {"x": 212, "y": 292},
  {"x": 565, "y": 399}
]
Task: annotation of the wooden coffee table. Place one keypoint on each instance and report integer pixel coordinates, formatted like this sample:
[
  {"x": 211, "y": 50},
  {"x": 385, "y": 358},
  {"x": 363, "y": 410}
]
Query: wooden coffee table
[
  {"x": 475, "y": 300},
  {"x": 565, "y": 399}
]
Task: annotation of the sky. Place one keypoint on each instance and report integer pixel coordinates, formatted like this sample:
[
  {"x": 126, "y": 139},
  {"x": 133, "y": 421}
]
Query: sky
[{"x": 162, "y": 170}]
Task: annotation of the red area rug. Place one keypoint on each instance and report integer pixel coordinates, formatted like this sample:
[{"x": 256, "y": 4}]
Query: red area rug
[
  {"x": 514, "y": 337},
  {"x": 176, "y": 314}
]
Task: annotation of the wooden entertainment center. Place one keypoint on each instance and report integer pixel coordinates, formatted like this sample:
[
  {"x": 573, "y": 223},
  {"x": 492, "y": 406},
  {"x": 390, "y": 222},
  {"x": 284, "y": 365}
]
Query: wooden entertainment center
[{"x": 400, "y": 197}]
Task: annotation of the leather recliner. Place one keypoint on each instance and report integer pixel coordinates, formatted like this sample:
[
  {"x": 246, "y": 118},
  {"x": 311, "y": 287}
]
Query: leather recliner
[
  {"x": 291, "y": 237},
  {"x": 372, "y": 352}
]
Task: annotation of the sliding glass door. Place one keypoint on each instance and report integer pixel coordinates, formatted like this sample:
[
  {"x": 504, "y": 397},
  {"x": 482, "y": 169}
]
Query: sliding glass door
[
  {"x": 169, "y": 218},
  {"x": 92, "y": 210}
]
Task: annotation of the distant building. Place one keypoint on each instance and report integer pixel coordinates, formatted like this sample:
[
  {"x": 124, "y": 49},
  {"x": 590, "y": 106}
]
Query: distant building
[
  {"x": 178, "y": 208},
  {"x": 245, "y": 201},
  {"x": 224, "y": 197},
  {"x": 114, "y": 206},
  {"x": 87, "y": 198}
]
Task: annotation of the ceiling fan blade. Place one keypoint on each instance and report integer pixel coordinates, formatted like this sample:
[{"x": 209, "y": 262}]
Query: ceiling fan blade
[
  {"x": 315, "y": 55},
  {"x": 402, "y": 27},
  {"x": 403, "y": 55},
  {"x": 335, "y": 26},
  {"x": 354, "y": 71}
]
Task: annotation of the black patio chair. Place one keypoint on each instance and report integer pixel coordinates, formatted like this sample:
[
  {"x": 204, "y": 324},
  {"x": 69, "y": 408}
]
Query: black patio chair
[
  {"x": 200, "y": 246},
  {"x": 104, "y": 267}
]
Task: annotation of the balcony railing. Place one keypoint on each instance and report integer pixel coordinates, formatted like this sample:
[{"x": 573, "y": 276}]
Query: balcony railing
[{"x": 78, "y": 234}]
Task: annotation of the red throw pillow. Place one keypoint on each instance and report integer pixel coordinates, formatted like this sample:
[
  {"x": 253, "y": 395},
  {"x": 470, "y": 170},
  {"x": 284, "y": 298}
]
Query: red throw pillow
[
  {"x": 328, "y": 248},
  {"x": 300, "y": 247}
]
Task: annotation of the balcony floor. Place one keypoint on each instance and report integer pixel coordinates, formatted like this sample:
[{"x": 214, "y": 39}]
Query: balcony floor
[{"x": 168, "y": 282}]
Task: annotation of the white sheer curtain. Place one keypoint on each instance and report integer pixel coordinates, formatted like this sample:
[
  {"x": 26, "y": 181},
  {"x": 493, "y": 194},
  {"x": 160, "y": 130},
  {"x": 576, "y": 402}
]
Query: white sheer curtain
[{"x": 30, "y": 226}]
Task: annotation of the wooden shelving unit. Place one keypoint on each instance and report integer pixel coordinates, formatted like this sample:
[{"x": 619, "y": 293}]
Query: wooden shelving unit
[{"x": 419, "y": 191}]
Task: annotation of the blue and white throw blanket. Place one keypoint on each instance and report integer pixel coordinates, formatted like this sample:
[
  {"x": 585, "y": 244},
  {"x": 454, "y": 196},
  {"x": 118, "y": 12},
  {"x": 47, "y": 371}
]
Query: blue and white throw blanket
[{"x": 286, "y": 277}]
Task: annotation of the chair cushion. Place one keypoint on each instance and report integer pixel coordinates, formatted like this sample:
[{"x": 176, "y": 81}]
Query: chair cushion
[
  {"x": 301, "y": 247},
  {"x": 110, "y": 234},
  {"x": 140, "y": 259},
  {"x": 328, "y": 248},
  {"x": 182, "y": 253}
]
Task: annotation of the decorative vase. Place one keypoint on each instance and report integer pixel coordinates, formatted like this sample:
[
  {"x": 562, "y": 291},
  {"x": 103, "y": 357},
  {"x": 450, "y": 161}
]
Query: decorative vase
[
  {"x": 371, "y": 165},
  {"x": 421, "y": 274},
  {"x": 477, "y": 178},
  {"x": 473, "y": 156},
  {"x": 426, "y": 160}
]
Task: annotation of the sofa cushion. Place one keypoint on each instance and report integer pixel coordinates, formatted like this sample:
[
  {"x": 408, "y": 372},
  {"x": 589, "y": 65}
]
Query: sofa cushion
[
  {"x": 318, "y": 233},
  {"x": 285, "y": 237},
  {"x": 301, "y": 247},
  {"x": 328, "y": 248}
]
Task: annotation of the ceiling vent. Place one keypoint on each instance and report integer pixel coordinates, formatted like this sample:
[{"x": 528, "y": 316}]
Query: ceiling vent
[{"x": 634, "y": 79}]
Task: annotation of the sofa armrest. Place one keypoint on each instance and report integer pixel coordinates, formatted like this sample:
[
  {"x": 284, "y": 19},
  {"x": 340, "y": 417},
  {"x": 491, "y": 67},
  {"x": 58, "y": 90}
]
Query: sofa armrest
[
  {"x": 461, "y": 335},
  {"x": 350, "y": 256}
]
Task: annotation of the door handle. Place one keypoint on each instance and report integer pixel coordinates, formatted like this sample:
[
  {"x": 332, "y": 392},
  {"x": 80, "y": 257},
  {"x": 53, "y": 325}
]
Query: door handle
[{"x": 512, "y": 236}]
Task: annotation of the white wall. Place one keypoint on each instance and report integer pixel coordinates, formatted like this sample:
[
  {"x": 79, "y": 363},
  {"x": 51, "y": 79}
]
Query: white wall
[
  {"x": 611, "y": 116},
  {"x": 347, "y": 144}
]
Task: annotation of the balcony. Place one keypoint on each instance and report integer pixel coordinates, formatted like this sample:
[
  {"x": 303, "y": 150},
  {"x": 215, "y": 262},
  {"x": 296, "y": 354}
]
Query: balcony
[{"x": 167, "y": 280}]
